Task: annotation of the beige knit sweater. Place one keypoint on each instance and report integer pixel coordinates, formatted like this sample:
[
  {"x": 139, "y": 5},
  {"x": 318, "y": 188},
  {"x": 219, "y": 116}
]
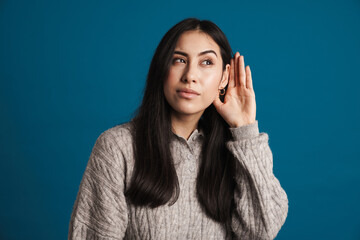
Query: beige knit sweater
[{"x": 101, "y": 210}]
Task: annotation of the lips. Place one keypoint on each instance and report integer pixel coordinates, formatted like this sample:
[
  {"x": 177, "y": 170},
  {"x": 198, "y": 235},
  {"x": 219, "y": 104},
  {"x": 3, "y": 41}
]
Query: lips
[
  {"x": 188, "y": 90},
  {"x": 187, "y": 93}
]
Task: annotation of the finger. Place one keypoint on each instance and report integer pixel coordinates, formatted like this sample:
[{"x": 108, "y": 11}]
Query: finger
[
  {"x": 242, "y": 71},
  {"x": 231, "y": 78},
  {"x": 217, "y": 102},
  {"x": 249, "y": 83},
  {"x": 236, "y": 72}
]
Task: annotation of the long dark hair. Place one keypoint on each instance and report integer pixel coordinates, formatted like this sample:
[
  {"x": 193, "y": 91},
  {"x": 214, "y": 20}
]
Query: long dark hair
[{"x": 154, "y": 181}]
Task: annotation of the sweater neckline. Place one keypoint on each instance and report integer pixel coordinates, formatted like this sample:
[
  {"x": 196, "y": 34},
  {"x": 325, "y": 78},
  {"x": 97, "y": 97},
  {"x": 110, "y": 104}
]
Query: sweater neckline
[{"x": 193, "y": 136}]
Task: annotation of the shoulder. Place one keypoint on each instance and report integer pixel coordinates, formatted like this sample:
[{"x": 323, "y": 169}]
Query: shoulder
[
  {"x": 123, "y": 130},
  {"x": 120, "y": 133},
  {"x": 114, "y": 146},
  {"x": 116, "y": 140}
]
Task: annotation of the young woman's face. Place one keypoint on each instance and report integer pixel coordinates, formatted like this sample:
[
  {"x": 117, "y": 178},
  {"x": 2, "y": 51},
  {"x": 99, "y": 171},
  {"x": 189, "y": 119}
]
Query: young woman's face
[{"x": 195, "y": 74}]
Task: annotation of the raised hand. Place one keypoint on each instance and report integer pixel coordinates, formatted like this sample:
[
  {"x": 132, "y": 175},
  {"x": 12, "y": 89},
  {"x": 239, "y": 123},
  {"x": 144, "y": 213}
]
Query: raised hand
[{"x": 239, "y": 106}]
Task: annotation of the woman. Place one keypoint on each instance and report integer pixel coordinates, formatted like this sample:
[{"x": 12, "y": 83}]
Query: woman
[{"x": 192, "y": 163}]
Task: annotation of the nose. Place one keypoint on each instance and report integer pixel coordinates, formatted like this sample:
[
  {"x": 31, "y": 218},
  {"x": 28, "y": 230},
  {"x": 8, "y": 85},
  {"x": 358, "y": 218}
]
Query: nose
[{"x": 190, "y": 74}]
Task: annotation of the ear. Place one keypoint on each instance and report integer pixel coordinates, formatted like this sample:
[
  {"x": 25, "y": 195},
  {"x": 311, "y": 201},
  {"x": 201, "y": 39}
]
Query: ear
[{"x": 225, "y": 77}]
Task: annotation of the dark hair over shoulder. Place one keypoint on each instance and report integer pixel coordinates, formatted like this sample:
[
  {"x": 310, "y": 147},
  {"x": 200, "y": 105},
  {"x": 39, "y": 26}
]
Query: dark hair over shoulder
[{"x": 154, "y": 181}]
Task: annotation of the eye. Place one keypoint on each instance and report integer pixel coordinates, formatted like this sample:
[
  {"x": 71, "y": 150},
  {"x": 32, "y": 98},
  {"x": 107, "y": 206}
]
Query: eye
[
  {"x": 178, "y": 60},
  {"x": 208, "y": 62}
]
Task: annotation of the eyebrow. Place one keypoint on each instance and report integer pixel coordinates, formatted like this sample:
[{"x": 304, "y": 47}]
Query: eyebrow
[{"x": 202, "y": 53}]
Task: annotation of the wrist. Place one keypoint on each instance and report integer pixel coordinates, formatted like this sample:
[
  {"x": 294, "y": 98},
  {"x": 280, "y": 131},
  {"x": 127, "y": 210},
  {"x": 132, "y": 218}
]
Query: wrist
[
  {"x": 245, "y": 131},
  {"x": 241, "y": 124}
]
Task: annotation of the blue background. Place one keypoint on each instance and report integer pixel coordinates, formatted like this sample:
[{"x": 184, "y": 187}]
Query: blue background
[{"x": 71, "y": 69}]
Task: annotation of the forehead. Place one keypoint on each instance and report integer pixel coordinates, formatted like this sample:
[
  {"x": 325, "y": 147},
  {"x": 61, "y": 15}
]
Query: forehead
[{"x": 195, "y": 41}]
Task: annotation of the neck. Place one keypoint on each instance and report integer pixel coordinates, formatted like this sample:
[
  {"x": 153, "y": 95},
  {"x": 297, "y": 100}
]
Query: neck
[{"x": 184, "y": 125}]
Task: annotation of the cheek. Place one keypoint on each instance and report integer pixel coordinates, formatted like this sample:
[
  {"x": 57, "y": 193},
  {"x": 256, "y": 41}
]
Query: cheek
[
  {"x": 212, "y": 83},
  {"x": 167, "y": 89},
  {"x": 171, "y": 75},
  {"x": 174, "y": 74},
  {"x": 171, "y": 79}
]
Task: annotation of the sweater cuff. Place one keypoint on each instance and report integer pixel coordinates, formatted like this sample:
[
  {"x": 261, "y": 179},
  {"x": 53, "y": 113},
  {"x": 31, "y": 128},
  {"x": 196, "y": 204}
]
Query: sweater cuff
[{"x": 246, "y": 131}]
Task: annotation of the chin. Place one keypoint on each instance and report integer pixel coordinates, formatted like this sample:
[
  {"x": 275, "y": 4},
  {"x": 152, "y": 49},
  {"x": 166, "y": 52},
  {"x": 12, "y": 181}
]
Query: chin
[
  {"x": 184, "y": 112},
  {"x": 189, "y": 110}
]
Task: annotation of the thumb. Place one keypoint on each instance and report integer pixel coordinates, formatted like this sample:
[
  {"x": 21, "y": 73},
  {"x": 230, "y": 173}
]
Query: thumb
[{"x": 217, "y": 102}]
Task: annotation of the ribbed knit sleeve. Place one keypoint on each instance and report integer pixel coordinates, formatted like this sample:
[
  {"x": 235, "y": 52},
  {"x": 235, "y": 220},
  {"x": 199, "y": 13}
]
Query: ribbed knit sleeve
[
  {"x": 261, "y": 204},
  {"x": 100, "y": 210}
]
